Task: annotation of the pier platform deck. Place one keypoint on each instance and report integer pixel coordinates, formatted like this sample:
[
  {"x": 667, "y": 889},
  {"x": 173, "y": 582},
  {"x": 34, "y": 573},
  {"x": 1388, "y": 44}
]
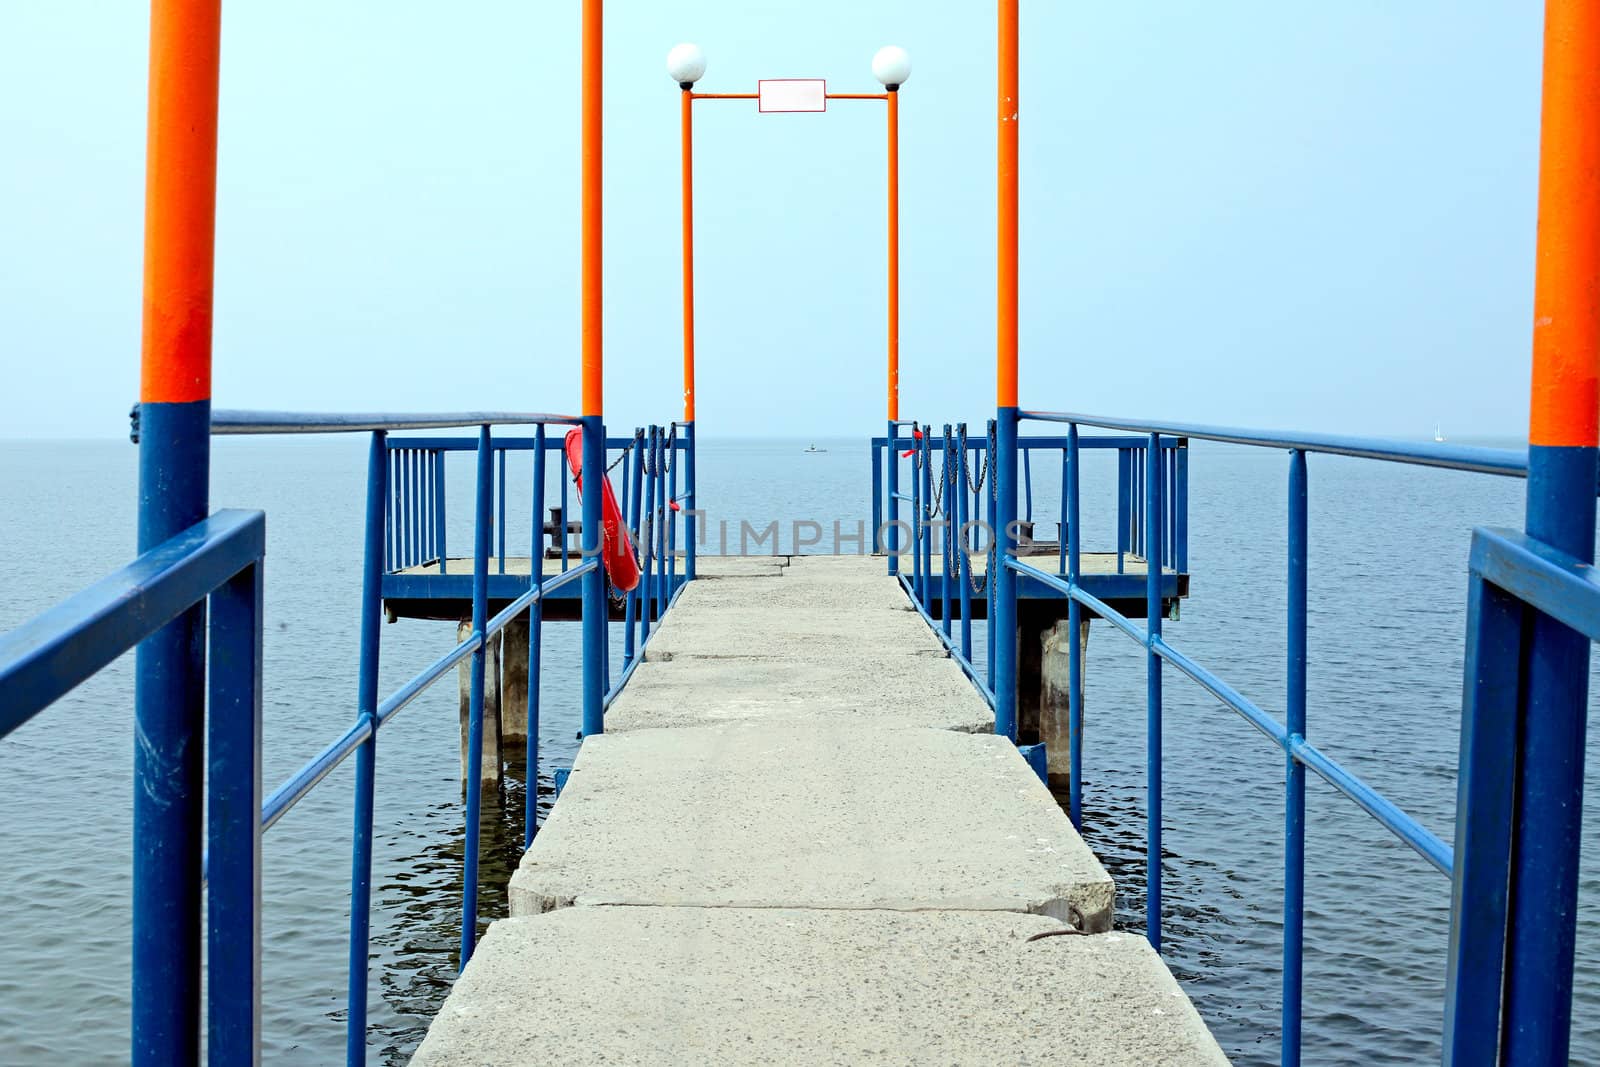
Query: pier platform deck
[
  {"x": 798, "y": 843},
  {"x": 424, "y": 591}
]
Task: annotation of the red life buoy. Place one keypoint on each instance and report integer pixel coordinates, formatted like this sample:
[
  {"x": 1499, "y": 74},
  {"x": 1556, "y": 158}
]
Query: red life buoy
[{"x": 616, "y": 549}]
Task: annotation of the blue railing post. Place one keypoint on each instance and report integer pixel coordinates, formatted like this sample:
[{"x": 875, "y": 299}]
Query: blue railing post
[
  {"x": 636, "y": 603},
  {"x": 500, "y": 523},
  {"x": 995, "y": 562},
  {"x": 1485, "y": 787},
  {"x": 663, "y": 511},
  {"x": 480, "y": 626},
  {"x": 1549, "y": 807},
  {"x": 891, "y": 458},
  {"x": 648, "y": 530},
  {"x": 1004, "y": 619},
  {"x": 925, "y": 451},
  {"x": 439, "y": 511},
  {"x": 1152, "y": 585},
  {"x": 1180, "y": 496},
  {"x": 916, "y": 519},
  {"x": 691, "y": 512},
  {"x": 1294, "y": 802},
  {"x": 1074, "y": 623},
  {"x": 530, "y": 813},
  {"x": 947, "y": 532},
  {"x": 963, "y": 543},
  {"x": 877, "y": 496},
  {"x": 367, "y": 754},
  {"x": 595, "y": 628},
  {"x": 1124, "y": 504},
  {"x": 233, "y": 811},
  {"x": 670, "y": 516}
]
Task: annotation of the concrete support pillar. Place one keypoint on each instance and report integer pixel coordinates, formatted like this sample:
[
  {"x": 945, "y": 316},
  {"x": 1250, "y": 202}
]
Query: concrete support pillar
[
  {"x": 491, "y": 707},
  {"x": 514, "y": 682},
  {"x": 1055, "y": 679}
]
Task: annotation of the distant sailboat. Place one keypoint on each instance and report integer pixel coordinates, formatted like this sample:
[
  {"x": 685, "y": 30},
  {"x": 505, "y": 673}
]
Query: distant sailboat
[
  {"x": 814, "y": 448},
  {"x": 1437, "y": 436}
]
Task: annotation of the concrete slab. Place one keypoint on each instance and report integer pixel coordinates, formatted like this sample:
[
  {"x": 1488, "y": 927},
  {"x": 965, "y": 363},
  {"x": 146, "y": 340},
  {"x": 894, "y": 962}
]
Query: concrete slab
[
  {"x": 671, "y": 986},
  {"x": 738, "y": 566},
  {"x": 797, "y": 815},
  {"x": 796, "y": 620},
  {"x": 845, "y": 597},
  {"x": 926, "y": 691}
]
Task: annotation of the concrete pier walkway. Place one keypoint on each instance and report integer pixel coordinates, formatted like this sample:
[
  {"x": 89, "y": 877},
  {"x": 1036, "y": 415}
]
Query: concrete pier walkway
[{"x": 796, "y": 843}]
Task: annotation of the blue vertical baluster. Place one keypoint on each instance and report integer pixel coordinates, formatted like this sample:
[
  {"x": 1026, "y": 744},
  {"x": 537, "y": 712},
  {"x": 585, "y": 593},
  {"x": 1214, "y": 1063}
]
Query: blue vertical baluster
[
  {"x": 480, "y": 624},
  {"x": 530, "y": 814},
  {"x": 439, "y": 511},
  {"x": 963, "y": 543},
  {"x": 630, "y": 525},
  {"x": 670, "y": 516},
  {"x": 992, "y": 565},
  {"x": 647, "y": 534},
  {"x": 891, "y": 459},
  {"x": 1549, "y": 803},
  {"x": 946, "y": 530},
  {"x": 1152, "y": 585},
  {"x": 233, "y": 814},
  {"x": 663, "y": 457},
  {"x": 925, "y": 517},
  {"x": 1294, "y": 801},
  {"x": 1027, "y": 483},
  {"x": 566, "y": 516},
  {"x": 1061, "y": 525},
  {"x": 1124, "y": 504},
  {"x": 641, "y": 547},
  {"x": 691, "y": 506},
  {"x": 916, "y": 515},
  {"x": 367, "y": 754},
  {"x": 500, "y": 525},
  {"x": 1181, "y": 505},
  {"x": 877, "y": 495},
  {"x": 1075, "y": 625},
  {"x": 1484, "y": 818}
]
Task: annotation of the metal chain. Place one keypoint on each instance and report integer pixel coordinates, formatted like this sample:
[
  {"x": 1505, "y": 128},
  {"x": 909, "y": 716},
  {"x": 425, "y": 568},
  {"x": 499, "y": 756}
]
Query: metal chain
[
  {"x": 983, "y": 472},
  {"x": 618, "y": 461}
]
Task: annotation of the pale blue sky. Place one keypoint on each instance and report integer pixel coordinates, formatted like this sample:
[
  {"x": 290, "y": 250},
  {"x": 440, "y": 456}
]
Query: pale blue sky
[{"x": 1284, "y": 215}]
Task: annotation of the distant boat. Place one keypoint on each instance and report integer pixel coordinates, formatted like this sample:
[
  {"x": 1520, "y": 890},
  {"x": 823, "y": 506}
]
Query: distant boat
[
  {"x": 814, "y": 448},
  {"x": 1437, "y": 436}
]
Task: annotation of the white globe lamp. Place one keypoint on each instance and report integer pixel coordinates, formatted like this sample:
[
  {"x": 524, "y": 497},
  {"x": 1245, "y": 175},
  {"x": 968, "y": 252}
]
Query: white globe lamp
[
  {"x": 686, "y": 64},
  {"x": 891, "y": 66}
]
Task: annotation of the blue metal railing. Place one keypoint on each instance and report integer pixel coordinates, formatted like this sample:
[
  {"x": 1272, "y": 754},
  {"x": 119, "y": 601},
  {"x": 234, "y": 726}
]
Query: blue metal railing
[
  {"x": 647, "y": 464},
  {"x": 1508, "y": 571},
  {"x": 214, "y": 564},
  {"x": 951, "y": 501},
  {"x": 219, "y": 558}
]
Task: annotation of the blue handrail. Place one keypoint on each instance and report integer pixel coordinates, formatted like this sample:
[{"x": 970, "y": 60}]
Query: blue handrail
[
  {"x": 216, "y": 561},
  {"x": 219, "y": 557},
  {"x": 1501, "y": 929}
]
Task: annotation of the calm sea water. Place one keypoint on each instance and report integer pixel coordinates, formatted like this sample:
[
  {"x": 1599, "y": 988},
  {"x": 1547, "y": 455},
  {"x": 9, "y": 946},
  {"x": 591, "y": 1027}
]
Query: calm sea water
[{"x": 1387, "y": 596}]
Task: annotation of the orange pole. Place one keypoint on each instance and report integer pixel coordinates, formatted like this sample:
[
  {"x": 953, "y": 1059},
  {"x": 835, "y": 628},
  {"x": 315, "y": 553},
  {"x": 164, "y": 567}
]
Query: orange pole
[
  {"x": 1006, "y": 310},
  {"x": 593, "y": 358},
  {"x": 894, "y": 255},
  {"x": 687, "y": 112},
  {"x": 1565, "y": 406},
  {"x": 180, "y": 201}
]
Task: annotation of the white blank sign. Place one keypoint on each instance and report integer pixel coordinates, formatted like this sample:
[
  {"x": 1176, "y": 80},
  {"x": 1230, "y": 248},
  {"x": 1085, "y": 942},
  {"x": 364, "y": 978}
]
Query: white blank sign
[{"x": 792, "y": 94}]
